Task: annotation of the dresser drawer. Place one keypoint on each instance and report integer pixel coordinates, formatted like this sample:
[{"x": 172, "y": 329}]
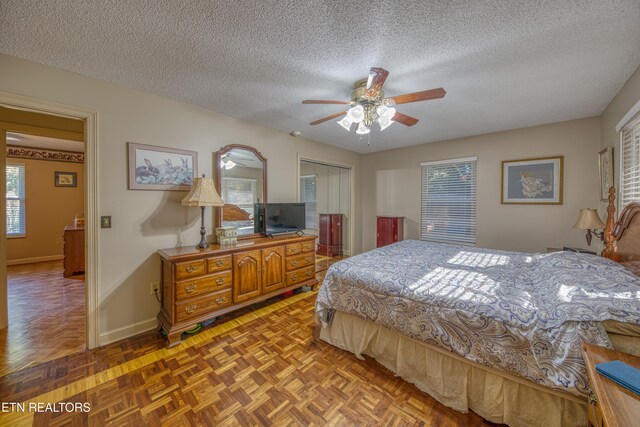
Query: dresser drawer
[
  {"x": 219, "y": 264},
  {"x": 307, "y": 246},
  {"x": 203, "y": 285},
  {"x": 293, "y": 249},
  {"x": 201, "y": 305},
  {"x": 299, "y": 261},
  {"x": 189, "y": 269},
  {"x": 301, "y": 275}
]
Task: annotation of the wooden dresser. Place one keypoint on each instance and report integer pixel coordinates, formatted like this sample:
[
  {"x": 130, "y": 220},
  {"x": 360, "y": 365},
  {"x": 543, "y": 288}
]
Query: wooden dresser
[
  {"x": 73, "y": 251},
  {"x": 609, "y": 403},
  {"x": 200, "y": 284}
]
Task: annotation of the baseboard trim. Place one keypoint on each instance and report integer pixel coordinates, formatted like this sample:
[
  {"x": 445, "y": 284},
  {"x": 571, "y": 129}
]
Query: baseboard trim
[
  {"x": 127, "y": 331},
  {"x": 34, "y": 259}
]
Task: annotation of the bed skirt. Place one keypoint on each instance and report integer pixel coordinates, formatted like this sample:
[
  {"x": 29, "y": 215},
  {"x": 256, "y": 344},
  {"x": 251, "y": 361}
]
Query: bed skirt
[{"x": 454, "y": 381}]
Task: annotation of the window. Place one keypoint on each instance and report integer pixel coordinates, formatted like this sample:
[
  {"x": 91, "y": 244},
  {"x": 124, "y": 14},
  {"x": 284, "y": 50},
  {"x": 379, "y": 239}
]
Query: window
[
  {"x": 630, "y": 162},
  {"x": 240, "y": 192},
  {"x": 449, "y": 201},
  {"x": 308, "y": 196},
  {"x": 15, "y": 200}
]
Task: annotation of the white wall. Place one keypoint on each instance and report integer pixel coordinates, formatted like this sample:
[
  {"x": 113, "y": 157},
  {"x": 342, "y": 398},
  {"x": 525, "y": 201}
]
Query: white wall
[
  {"x": 391, "y": 185},
  {"x": 145, "y": 221}
]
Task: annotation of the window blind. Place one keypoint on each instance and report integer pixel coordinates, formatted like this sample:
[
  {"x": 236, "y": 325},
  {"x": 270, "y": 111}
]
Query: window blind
[
  {"x": 449, "y": 201},
  {"x": 16, "y": 221},
  {"x": 630, "y": 162},
  {"x": 308, "y": 196}
]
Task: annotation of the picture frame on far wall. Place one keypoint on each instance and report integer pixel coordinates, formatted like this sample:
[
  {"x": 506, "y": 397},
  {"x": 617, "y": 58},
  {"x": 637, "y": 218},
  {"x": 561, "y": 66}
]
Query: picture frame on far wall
[
  {"x": 65, "y": 179},
  {"x": 533, "y": 181},
  {"x": 605, "y": 166},
  {"x": 161, "y": 168}
]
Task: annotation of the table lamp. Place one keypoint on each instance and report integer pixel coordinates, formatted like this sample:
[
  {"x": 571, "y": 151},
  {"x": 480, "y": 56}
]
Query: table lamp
[
  {"x": 203, "y": 193},
  {"x": 590, "y": 220}
]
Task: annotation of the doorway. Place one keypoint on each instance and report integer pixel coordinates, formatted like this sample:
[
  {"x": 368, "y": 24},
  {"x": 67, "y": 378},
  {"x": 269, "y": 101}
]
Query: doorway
[
  {"x": 326, "y": 190},
  {"x": 44, "y": 175}
]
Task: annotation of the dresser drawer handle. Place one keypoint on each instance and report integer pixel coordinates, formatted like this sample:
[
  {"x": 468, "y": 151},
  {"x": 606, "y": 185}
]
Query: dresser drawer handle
[
  {"x": 219, "y": 263},
  {"x": 220, "y": 280},
  {"x": 190, "y": 268},
  {"x": 308, "y": 259},
  {"x": 190, "y": 288},
  {"x": 220, "y": 300},
  {"x": 191, "y": 308},
  {"x": 294, "y": 277},
  {"x": 293, "y": 263},
  {"x": 309, "y": 273}
]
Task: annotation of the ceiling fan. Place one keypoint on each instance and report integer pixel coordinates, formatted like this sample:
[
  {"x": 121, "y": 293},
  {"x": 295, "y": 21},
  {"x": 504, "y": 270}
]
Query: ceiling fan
[{"x": 368, "y": 104}]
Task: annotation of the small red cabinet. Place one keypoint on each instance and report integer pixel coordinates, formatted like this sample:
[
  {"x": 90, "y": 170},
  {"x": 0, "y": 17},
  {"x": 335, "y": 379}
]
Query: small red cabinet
[
  {"x": 330, "y": 235},
  {"x": 390, "y": 230}
]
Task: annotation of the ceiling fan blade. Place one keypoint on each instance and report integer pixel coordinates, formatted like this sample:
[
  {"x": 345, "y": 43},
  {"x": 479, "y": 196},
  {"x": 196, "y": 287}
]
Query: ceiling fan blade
[
  {"x": 320, "y": 101},
  {"x": 324, "y": 119},
  {"x": 404, "y": 119},
  {"x": 425, "y": 95},
  {"x": 376, "y": 79}
]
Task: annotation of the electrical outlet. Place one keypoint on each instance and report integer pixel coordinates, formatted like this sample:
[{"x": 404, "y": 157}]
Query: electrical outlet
[{"x": 155, "y": 287}]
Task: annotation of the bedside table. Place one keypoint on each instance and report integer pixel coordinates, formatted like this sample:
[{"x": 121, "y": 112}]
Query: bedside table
[{"x": 609, "y": 403}]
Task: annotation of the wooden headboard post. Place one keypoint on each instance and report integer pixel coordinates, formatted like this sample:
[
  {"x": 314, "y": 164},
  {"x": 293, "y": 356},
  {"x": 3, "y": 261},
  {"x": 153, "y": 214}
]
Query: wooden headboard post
[{"x": 609, "y": 240}]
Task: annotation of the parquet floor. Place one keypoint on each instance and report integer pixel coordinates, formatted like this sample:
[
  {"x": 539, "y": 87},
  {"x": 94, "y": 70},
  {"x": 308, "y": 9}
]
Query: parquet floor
[
  {"x": 258, "y": 367},
  {"x": 46, "y": 316}
]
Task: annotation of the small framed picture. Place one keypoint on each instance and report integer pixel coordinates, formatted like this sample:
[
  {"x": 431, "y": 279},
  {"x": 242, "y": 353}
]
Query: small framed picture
[
  {"x": 66, "y": 179},
  {"x": 532, "y": 181},
  {"x": 161, "y": 168},
  {"x": 605, "y": 163}
]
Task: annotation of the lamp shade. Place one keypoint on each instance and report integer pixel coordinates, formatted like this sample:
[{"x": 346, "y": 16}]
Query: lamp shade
[
  {"x": 589, "y": 220},
  {"x": 203, "y": 193}
]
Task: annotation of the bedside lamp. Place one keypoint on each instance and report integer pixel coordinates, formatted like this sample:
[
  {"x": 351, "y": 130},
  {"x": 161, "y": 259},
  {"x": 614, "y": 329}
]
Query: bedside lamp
[
  {"x": 590, "y": 220},
  {"x": 203, "y": 193}
]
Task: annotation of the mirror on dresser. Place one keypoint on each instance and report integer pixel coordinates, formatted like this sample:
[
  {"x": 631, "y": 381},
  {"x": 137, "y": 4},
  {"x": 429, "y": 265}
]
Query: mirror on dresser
[{"x": 241, "y": 179}]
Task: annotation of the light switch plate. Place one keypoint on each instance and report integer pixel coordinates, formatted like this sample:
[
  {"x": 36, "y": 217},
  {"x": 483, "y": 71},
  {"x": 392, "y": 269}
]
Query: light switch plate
[{"x": 105, "y": 221}]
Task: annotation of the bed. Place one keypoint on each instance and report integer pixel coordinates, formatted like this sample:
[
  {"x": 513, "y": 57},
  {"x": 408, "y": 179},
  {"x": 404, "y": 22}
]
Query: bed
[{"x": 492, "y": 331}]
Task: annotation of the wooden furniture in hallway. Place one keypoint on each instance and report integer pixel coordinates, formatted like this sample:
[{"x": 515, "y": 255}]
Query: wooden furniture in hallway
[
  {"x": 200, "y": 284},
  {"x": 330, "y": 235},
  {"x": 390, "y": 229},
  {"x": 73, "y": 250}
]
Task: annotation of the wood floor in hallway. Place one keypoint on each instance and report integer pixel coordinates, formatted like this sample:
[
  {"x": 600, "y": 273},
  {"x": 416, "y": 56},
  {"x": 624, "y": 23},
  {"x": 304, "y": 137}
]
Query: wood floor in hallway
[{"x": 46, "y": 316}]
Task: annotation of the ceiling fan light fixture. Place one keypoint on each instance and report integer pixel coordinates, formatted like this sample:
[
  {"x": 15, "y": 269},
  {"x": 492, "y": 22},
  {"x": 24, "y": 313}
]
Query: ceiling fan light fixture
[
  {"x": 384, "y": 123},
  {"x": 345, "y": 123},
  {"x": 362, "y": 129},
  {"x": 355, "y": 114},
  {"x": 385, "y": 112},
  {"x": 227, "y": 163}
]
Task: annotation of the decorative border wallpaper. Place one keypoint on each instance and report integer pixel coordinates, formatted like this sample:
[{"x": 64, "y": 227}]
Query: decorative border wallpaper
[{"x": 44, "y": 154}]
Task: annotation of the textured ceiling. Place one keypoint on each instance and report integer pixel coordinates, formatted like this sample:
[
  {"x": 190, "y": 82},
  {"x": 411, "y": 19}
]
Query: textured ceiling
[{"x": 504, "y": 64}]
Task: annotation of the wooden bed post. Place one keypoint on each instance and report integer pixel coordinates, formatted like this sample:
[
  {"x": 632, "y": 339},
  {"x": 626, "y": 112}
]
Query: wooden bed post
[{"x": 609, "y": 240}]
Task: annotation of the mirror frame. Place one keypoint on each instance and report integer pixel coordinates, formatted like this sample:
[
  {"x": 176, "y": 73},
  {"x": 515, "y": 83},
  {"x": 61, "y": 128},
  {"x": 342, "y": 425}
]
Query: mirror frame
[{"x": 221, "y": 152}]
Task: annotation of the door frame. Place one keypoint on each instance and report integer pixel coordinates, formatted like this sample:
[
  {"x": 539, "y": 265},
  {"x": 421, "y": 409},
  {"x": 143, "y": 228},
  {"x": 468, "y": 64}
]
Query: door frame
[
  {"x": 352, "y": 189},
  {"x": 92, "y": 247}
]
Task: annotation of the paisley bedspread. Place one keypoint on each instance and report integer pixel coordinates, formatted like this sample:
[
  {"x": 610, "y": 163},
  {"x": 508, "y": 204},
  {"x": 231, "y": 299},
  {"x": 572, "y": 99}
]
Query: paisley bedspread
[{"x": 526, "y": 314}]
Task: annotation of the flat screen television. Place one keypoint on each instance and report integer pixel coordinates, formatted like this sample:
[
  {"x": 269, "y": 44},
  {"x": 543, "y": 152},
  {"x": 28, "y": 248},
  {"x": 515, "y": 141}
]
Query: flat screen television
[{"x": 283, "y": 218}]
